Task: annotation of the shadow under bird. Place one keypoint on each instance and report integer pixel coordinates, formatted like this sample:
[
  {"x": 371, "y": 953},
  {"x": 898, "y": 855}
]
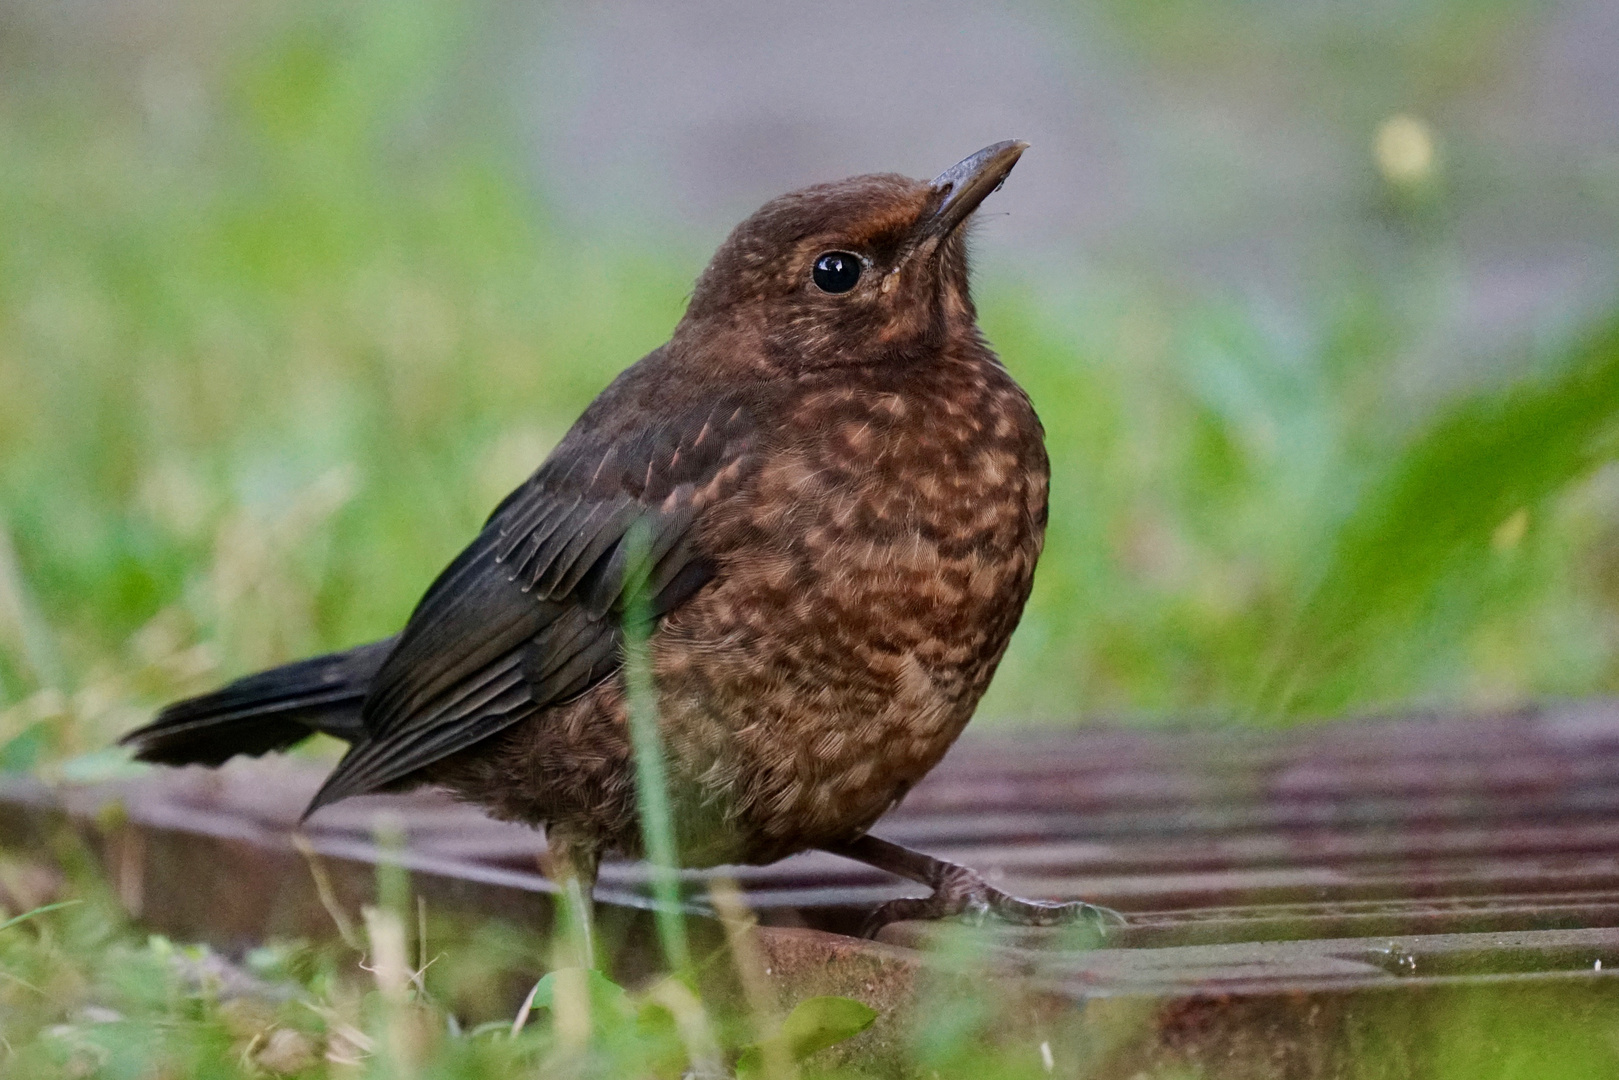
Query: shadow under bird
[{"x": 825, "y": 495}]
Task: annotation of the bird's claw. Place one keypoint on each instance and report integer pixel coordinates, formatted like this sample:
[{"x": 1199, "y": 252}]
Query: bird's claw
[
  {"x": 1020, "y": 912},
  {"x": 965, "y": 895}
]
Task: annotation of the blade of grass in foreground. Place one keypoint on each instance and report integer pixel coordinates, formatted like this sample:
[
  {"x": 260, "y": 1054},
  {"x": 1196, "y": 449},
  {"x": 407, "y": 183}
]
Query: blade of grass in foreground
[
  {"x": 651, "y": 773},
  {"x": 25, "y": 916}
]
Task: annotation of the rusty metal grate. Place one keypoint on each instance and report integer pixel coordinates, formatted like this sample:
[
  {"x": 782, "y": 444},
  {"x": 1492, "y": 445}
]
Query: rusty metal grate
[{"x": 1421, "y": 850}]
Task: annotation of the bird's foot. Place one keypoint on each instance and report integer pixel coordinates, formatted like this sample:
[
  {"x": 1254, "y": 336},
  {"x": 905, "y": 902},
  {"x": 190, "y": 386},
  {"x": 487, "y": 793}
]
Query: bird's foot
[{"x": 963, "y": 893}]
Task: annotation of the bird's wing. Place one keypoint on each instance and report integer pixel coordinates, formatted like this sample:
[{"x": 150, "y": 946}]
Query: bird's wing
[{"x": 531, "y": 613}]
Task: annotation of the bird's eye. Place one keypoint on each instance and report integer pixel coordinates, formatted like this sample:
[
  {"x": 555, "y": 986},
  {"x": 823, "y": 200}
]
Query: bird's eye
[{"x": 836, "y": 271}]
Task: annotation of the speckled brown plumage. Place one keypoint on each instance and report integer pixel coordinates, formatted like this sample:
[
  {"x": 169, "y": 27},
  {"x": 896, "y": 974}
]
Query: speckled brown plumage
[
  {"x": 843, "y": 497},
  {"x": 871, "y": 562}
]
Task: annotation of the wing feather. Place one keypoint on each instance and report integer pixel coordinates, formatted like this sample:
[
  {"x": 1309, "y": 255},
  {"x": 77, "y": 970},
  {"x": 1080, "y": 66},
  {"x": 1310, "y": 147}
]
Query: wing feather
[{"x": 531, "y": 614}]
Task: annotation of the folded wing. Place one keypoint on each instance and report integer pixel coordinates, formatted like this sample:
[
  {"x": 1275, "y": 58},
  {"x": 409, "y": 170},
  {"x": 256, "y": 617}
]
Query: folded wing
[{"x": 531, "y": 614}]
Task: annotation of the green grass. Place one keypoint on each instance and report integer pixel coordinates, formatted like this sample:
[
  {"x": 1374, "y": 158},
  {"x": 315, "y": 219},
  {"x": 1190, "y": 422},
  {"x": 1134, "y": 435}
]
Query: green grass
[
  {"x": 270, "y": 351},
  {"x": 84, "y": 994},
  {"x": 266, "y": 364}
]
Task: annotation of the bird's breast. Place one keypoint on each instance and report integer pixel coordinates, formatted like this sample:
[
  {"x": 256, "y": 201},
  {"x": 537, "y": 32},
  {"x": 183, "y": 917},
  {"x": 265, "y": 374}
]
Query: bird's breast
[{"x": 870, "y": 574}]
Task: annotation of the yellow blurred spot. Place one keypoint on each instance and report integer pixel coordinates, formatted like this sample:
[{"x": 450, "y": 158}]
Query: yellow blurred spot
[
  {"x": 1404, "y": 150},
  {"x": 1510, "y": 533}
]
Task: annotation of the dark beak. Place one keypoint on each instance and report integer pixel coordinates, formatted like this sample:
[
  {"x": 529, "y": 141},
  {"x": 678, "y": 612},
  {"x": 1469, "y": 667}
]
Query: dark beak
[{"x": 966, "y": 184}]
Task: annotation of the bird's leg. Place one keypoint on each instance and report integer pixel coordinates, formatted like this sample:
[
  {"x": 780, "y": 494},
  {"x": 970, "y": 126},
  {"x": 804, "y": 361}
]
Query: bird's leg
[
  {"x": 958, "y": 890},
  {"x": 572, "y": 866}
]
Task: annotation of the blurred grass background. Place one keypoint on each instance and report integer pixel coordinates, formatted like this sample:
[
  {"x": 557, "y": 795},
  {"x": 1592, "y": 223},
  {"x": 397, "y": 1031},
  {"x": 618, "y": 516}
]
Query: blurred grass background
[
  {"x": 283, "y": 314},
  {"x": 291, "y": 295}
]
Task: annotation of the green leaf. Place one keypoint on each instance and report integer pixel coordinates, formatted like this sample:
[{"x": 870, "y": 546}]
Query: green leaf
[
  {"x": 814, "y": 1024},
  {"x": 25, "y": 750},
  {"x": 819, "y": 1022},
  {"x": 1429, "y": 521},
  {"x": 607, "y": 998}
]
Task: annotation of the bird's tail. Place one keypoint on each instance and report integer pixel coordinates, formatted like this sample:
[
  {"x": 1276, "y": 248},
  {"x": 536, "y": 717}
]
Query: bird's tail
[{"x": 271, "y": 710}]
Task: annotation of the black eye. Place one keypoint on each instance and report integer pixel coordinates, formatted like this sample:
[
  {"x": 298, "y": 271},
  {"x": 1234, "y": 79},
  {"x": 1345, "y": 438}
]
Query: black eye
[{"x": 836, "y": 271}]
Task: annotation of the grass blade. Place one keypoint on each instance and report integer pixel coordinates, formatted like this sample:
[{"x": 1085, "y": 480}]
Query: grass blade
[
  {"x": 651, "y": 770},
  {"x": 25, "y": 916}
]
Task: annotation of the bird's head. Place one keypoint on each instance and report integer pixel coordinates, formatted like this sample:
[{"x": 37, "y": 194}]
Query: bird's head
[{"x": 852, "y": 271}]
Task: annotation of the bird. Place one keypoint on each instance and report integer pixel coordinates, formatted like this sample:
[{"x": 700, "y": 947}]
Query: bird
[{"x": 819, "y": 506}]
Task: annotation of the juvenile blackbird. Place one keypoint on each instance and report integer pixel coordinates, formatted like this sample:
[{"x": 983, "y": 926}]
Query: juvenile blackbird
[{"x": 835, "y": 496}]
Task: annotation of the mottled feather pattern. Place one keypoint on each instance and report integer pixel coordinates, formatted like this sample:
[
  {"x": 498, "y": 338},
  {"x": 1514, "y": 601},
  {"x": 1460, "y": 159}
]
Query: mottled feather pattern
[
  {"x": 839, "y": 495},
  {"x": 870, "y": 568}
]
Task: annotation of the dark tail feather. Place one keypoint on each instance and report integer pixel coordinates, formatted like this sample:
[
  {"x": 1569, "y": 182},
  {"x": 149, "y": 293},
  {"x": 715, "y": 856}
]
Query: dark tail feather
[{"x": 268, "y": 711}]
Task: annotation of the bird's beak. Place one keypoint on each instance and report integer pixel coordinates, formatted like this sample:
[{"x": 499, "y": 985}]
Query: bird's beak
[{"x": 969, "y": 182}]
